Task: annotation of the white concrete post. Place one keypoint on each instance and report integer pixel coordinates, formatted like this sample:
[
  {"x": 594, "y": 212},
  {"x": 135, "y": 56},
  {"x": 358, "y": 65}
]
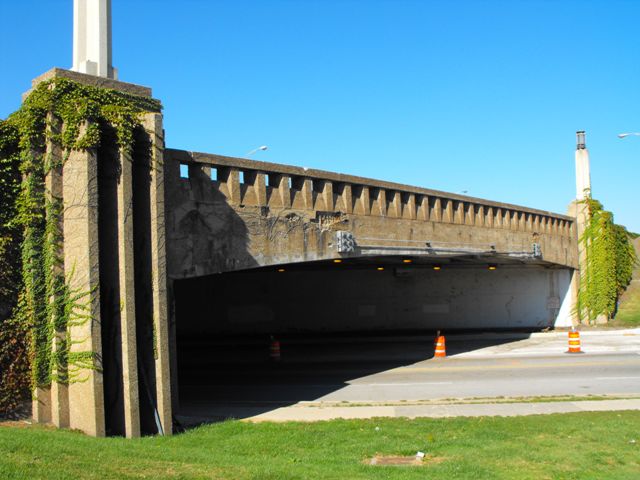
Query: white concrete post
[
  {"x": 583, "y": 173},
  {"x": 92, "y": 38}
]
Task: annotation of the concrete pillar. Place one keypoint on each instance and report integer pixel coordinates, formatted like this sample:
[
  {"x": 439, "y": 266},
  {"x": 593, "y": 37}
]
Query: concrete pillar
[
  {"x": 307, "y": 193},
  {"x": 347, "y": 198},
  {"x": 232, "y": 182},
  {"x": 59, "y": 394},
  {"x": 470, "y": 216},
  {"x": 81, "y": 265},
  {"x": 127, "y": 298},
  {"x": 583, "y": 169},
  {"x": 480, "y": 216},
  {"x": 422, "y": 207},
  {"x": 458, "y": 212},
  {"x": 536, "y": 223},
  {"x": 490, "y": 219},
  {"x": 411, "y": 206},
  {"x": 153, "y": 125},
  {"x": 260, "y": 188},
  {"x": 365, "y": 200},
  {"x": 382, "y": 202},
  {"x": 395, "y": 205},
  {"x": 92, "y": 46},
  {"x": 438, "y": 213},
  {"x": 284, "y": 191},
  {"x": 579, "y": 210},
  {"x": 41, "y": 405},
  {"x": 327, "y": 193}
]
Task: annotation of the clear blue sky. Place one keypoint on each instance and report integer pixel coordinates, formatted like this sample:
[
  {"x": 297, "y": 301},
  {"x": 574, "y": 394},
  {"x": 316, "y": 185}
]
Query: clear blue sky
[{"x": 483, "y": 96}]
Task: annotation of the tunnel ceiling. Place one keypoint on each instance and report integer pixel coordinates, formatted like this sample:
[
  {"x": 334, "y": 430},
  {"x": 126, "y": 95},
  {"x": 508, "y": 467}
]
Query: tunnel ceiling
[{"x": 406, "y": 263}]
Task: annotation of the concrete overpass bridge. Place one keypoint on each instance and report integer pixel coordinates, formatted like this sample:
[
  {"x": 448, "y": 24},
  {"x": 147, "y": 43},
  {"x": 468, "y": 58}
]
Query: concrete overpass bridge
[
  {"x": 177, "y": 250},
  {"x": 323, "y": 251}
]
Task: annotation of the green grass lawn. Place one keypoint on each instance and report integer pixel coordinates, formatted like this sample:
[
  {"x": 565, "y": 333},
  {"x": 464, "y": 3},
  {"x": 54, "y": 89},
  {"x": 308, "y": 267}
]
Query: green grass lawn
[{"x": 603, "y": 445}]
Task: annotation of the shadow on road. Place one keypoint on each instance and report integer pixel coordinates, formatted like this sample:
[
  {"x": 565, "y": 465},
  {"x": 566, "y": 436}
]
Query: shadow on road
[{"x": 234, "y": 377}]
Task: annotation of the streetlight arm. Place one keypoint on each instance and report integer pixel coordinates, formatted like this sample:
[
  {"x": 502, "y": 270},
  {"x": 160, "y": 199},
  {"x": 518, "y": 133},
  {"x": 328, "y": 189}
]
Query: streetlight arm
[
  {"x": 263, "y": 148},
  {"x": 623, "y": 135}
]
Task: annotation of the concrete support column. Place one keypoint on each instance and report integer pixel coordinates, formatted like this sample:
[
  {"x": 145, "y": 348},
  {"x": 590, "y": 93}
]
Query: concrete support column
[
  {"x": 438, "y": 210},
  {"x": 490, "y": 220},
  {"x": 81, "y": 265},
  {"x": 347, "y": 198},
  {"x": 53, "y": 187},
  {"x": 327, "y": 193},
  {"x": 395, "y": 205},
  {"x": 470, "y": 215},
  {"x": 307, "y": 193},
  {"x": 284, "y": 191},
  {"x": 92, "y": 38},
  {"x": 422, "y": 207},
  {"x": 505, "y": 219},
  {"x": 365, "y": 200},
  {"x": 127, "y": 298},
  {"x": 233, "y": 185},
  {"x": 578, "y": 210},
  {"x": 411, "y": 206},
  {"x": 536, "y": 223},
  {"x": 153, "y": 125},
  {"x": 382, "y": 202},
  {"x": 260, "y": 188},
  {"x": 480, "y": 216}
]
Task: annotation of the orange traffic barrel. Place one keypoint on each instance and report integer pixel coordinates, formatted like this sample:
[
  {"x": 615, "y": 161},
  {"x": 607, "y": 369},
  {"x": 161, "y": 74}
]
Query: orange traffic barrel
[
  {"x": 441, "y": 351},
  {"x": 574, "y": 342},
  {"x": 274, "y": 350}
]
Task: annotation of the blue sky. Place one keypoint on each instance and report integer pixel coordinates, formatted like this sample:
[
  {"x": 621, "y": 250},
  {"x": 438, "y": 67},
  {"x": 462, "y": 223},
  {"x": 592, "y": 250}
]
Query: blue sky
[{"x": 482, "y": 96}]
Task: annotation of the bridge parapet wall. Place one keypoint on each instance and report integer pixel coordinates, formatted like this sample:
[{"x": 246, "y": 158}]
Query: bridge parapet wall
[{"x": 277, "y": 195}]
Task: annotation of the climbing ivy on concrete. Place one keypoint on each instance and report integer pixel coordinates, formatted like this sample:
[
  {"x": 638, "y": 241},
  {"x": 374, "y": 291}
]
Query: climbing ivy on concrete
[
  {"x": 14, "y": 358},
  {"x": 609, "y": 261},
  {"x": 38, "y": 302}
]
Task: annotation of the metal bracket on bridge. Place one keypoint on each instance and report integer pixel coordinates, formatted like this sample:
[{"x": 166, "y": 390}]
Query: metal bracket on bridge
[
  {"x": 537, "y": 250},
  {"x": 346, "y": 242}
]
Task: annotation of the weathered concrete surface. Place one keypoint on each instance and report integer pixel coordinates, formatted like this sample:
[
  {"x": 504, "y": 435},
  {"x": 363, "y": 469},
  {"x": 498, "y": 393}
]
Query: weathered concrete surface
[
  {"x": 92, "y": 80},
  {"x": 281, "y": 214},
  {"x": 81, "y": 263}
]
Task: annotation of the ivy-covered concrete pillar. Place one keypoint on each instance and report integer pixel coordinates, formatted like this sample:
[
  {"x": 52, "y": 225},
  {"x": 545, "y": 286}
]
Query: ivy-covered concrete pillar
[
  {"x": 54, "y": 194},
  {"x": 81, "y": 266},
  {"x": 99, "y": 261}
]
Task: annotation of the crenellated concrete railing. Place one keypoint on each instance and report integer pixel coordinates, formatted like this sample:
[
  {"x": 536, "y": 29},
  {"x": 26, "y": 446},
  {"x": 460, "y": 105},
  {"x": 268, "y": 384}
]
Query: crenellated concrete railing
[{"x": 260, "y": 184}]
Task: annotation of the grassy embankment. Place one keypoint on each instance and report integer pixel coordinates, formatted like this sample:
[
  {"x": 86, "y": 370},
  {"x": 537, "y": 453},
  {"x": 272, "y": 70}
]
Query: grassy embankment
[
  {"x": 603, "y": 445},
  {"x": 629, "y": 309}
]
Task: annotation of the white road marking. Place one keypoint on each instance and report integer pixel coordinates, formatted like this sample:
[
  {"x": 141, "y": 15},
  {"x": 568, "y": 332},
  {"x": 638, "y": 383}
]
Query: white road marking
[
  {"x": 403, "y": 384},
  {"x": 617, "y": 378}
]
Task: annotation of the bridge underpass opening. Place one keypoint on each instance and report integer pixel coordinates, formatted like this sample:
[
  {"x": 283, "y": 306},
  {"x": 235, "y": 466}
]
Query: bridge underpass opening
[{"x": 340, "y": 321}]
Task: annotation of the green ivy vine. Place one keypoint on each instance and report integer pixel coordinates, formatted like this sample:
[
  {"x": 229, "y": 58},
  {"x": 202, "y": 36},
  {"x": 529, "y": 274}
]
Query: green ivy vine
[
  {"x": 42, "y": 306},
  {"x": 609, "y": 261}
]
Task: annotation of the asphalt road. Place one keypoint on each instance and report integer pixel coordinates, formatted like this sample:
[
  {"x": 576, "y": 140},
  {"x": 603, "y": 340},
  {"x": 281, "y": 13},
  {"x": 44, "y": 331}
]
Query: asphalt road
[{"x": 238, "y": 381}]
